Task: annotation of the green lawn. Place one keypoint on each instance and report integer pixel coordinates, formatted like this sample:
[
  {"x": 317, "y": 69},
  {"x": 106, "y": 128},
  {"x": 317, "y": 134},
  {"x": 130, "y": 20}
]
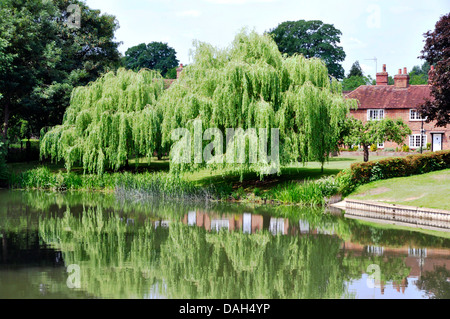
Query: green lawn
[
  {"x": 297, "y": 172},
  {"x": 430, "y": 190}
]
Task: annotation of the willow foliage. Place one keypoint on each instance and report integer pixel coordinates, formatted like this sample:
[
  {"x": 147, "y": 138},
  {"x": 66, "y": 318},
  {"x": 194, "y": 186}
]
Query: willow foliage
[
  {"x": 251, "y": 85},
  {"x": 109, "y": 121},
  {"x": 248, "y": 86}
]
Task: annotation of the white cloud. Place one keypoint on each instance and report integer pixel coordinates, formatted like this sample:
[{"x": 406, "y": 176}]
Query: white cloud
[{"x": 188, "y": 13}]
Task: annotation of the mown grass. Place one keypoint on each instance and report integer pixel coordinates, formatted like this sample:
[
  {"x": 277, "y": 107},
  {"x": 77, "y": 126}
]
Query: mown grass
[{"x": 431, "y": 190}]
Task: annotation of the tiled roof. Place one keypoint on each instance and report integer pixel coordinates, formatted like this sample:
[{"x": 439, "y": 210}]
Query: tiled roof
[
  {"x": 168, "y": 83},
  {"x": 389, "y": 97}
]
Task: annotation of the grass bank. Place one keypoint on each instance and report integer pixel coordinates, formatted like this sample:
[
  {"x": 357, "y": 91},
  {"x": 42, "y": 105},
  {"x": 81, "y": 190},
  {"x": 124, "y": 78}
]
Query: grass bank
[
  {"x": 305, "y": 185},
  {"x": 431, "y": 190},
  {"x": 298, "y": 184}
]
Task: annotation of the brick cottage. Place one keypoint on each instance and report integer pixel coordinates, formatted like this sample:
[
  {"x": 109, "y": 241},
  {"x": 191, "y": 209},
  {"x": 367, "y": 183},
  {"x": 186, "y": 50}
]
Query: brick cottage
[{"x": 399, "y": 101}]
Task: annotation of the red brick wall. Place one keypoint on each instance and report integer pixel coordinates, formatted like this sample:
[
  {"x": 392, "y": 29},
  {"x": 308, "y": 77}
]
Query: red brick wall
[{"x": 415, "y": 126}]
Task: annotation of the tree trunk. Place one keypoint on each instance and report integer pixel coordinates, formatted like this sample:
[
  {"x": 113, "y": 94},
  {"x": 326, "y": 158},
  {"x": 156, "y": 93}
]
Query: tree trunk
[
  {"x": 5, "y": 122},
  {"x": 366, "y": 153},
  {"x": 4, "y": 247},
  {"x": 28, "y": 150}
]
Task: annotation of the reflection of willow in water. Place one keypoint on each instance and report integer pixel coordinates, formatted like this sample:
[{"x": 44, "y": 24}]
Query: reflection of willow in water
[
  {"x": 198, "y": 264},
  {"x": 121, "y": 260},
  {"x": 116, "y": 258}
]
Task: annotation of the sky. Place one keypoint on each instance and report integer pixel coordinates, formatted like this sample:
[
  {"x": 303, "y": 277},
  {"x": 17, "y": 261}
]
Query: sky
[{"x": 390, "y": 31}]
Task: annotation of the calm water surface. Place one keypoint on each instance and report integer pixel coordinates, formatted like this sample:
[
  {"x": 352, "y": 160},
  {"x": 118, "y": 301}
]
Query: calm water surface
[{"x": 91, "y": 245}]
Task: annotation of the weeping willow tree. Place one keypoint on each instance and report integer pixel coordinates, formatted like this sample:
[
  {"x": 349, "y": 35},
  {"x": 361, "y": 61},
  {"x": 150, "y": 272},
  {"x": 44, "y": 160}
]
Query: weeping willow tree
[
  {"x": 250, "y": 85},
  {"x": 108, "y": 122},
  {"x": 250, "y": 88}
]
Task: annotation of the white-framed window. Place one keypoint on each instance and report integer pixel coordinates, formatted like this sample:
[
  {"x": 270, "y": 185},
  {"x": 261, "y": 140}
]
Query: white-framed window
[
  {"x": 375, "y": 114},
  {"x": 380, "y": 145},
  {"x": 414, "y": 141},
  {"x": 375, "y": 250},
  {"x": 218, "y": 224},
  {"x": 417, "y": 252},
  {"x": 192, "y": 218},
  {"x": 276, "y": 226},
  {"x": 414, "y": 115}
]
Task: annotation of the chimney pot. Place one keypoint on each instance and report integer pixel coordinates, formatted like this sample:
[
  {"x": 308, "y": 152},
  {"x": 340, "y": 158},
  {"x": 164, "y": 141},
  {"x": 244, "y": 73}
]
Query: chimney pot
[
  {"x": 382, "y": 77},
  {"x": 401, "y": 80},
  {"x": 179, "y": 70}
]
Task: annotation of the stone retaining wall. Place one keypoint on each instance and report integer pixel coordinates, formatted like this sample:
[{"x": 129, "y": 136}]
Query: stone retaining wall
[{"x": 397, "y": 210}]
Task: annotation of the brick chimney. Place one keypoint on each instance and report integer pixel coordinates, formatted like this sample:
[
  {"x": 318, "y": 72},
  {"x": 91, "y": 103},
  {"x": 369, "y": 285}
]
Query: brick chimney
[
  {"x": 179, "y": 69},
  {"x": 431, "y": 75},
  {"x": 382, "y": 77},
  {"x": 401, "y": 81}
]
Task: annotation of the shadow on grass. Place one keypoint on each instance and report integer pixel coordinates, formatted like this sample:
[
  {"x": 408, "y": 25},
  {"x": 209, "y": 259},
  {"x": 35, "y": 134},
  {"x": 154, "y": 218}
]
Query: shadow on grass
[
  {"x": 251, "y": 180},
  {"x": 154, "y": 166}
]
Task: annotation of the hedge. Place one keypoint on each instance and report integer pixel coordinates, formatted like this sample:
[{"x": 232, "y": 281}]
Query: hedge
[{"x": 362, "y": 173}]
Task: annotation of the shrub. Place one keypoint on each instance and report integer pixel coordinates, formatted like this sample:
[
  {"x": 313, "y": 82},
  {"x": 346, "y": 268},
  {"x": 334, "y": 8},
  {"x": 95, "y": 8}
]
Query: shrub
[
  {"x": 362, "y": 173},
  {"x": 344, "y": 182},
  {"x": 373, "y": 148},
  {"x": 405, "y": 148},
  {"x": 390, "y": 149},
  {"x": 428, "y": 146},
  {"x": 238, "y": 194},
  {"x": 3, "y": 168},
  {"x": 306, "y": 193},
  {"x": 377, "y": 173},
  {"x": 328, "y": 186}
]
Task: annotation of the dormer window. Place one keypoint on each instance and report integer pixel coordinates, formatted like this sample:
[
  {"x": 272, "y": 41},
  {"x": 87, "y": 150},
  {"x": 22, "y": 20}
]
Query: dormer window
[{"x": 375, "y": 114}]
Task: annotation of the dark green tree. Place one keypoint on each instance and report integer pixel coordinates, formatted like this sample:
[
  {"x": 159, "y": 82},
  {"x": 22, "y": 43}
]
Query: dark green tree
[
  {"x": 355, "y": 70},
  {"x": 312, "y": 39},
  {"x": 437, "y": 52},
  {"x": 355, "y": 78},
  {"x": 155, "y": 56},
  {"x": 419, "y": 74},
  {"x": 353, "y": 82},
  {"x": 47, "y": 53}
]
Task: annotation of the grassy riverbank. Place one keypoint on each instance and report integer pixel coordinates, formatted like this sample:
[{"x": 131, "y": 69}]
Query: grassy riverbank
[
  {"x": 429, "y": 190},
  {"x": 305, "y": 185},
  {"x": 302, "y": 184}
]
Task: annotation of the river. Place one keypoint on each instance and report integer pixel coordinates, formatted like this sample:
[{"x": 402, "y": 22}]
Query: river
[{"x": 94, "y": 245}]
